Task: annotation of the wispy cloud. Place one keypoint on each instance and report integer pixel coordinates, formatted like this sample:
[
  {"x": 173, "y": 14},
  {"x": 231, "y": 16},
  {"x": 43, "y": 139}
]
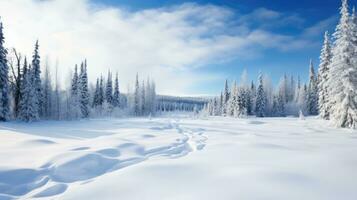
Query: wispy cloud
[
  {"x": 320, "y": 27},
  {"x": 163, "y": 43}
]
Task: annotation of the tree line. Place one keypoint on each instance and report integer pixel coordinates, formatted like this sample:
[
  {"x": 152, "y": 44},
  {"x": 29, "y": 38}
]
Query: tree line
[
  {"x": 28, "y": 95},
  {"x": 331, "y": 94}
]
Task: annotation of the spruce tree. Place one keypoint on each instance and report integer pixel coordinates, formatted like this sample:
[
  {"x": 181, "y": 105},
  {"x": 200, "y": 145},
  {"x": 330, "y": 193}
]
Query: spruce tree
[
  {"x": 47, "y": 94},
  {"x": 137, "y": 96},
  {"x": 29, "y": 101},
  {"x": 109, "y": 89},
  {"x": 101, "y": 96},
  {"x": 225, "y": 98},
  {"x": 312, "y": 98},
  {"x": 281, "y": 97},
  {"x": 261, "y": 98},
  {"x": 275, "y": 106},
  {"x": 325, "y": 60},
  {"x": 343, "y": 73},
  {"x": 116, "y": 96},
  {"x": 37, "y": 78},
  {"x": 281, "y": 106},
  {"x": 83, "y": 90},
  {"x": 75, "y": 108},
  {"x": 95, "y": 102},
  {"x": 4, "y": 83},
  {"x": 232, "y": 101},
  {"x": 142, "y": 99},
  {"x": 241, "y": 105}
]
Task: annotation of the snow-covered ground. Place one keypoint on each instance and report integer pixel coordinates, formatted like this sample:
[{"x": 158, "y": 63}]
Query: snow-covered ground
[{"x": 179, "y": 158}]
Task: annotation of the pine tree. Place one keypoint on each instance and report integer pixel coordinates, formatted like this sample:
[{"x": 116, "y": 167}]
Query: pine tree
[
  {"x": 281, "y": 97},
  {"x": 221, "y": 103},
  {"x": 312, "y": 98},
  {"x": 215, "y": 107},
  {"x": 109, "y": 89},
  {"x": 241, "y": 104},
  {"x": 153, "y": 97},
  {"x": 325, "y": 60},
  {"x": 4, "y": 83},
  {"x": 232, "y": 101},
  {"x": 150, "y": 97},
  {"x": 261, "y": 98},
  {"x": 101, "y": 97},
  {"x": 83, "y": 90},
  {"x": 225, "y": 98},
  {"x": 142, "y": 99},
  {"x": 96, "y": 95},
  {"x": 137, "y": 96},
  {"x": 116, "y": 96},
  {"x": 292, "y": 87},
  {"x": 275, "y": 106},
  {"x": 37, "y": 78},
  {"x": 281, "y": 106},
  {"x": 297, "y": 90},
  {"x": 47, "y": 94},
  {"x": 57, "y": 99},
  {"x": 343, "y": 73},
  {"x": 28, "y": 102},
  {"x": 75, "y": 107},
  {"x": 302, "y": 99},
  {"x": 253, "y": 92}
]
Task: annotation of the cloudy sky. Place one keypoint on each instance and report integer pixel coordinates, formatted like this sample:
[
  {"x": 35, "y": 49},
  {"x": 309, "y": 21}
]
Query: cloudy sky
[{"x": 189, "y": 48}]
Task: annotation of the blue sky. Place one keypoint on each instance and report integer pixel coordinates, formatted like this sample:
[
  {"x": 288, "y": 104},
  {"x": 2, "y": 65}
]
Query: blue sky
[
  {"x": 316, "y": 16},
  {"x": 188, "y": 47}
]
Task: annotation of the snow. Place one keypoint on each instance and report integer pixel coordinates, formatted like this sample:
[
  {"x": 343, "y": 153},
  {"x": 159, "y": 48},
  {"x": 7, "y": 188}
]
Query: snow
[{"x": 178, "y": 157}]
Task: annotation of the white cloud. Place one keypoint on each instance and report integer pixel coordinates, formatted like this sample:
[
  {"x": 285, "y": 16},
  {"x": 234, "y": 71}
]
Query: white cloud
[
  {"x": 320, "y": 27},
  {"x": 163, "y": 43}
]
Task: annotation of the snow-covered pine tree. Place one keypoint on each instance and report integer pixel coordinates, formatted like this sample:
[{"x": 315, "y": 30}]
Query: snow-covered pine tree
[
  {"x": 297, "y": 91},
  {"x": 95, "y": 102},
  {"x": 225, "y": 98},
  {"x": 260, "y": 99},
  {"x": 253, "y": 92},
  {"x": 153, "y": 97},
  {"x": 148, "y": 91},
  {"x": 28, "y": 102},
  {"x": 37, "y": 78},
  {"x": 325, "y": 60},
  {"x": 4, "y": 83},
  {"x": 283, "y": 93},
  {"x": 274, "y": 111},
  {"x": 142, "y": 99},
  {"x": 343, "y": 73},
  {"x": 244, "y": 100},
  {"x": 241, "y": 105},
  {"x": 116, "y": 96},
  {"x": 57, "y": 98},
  {"x": 215, "y": 107},
  {"x": 232, "y": 101},
  {"x": 284, "y": 88},
  {"x": 269, "y": 94},
  {"x": 83, "y": 91},
  {"x": 101, "y": 96},
  {"x": 150, "y": 94},
  {"x": 109, "y": 89},
  {"x": 312, "y": 98},
  {"x": 137, "y": 96},
  {"x": 248, "y": 101},
  {"x": 75, "y": 106},
  {"x": 281, "y": 106},
  {"x": 220, "y": 104},
  {"x": 47, "y": 93},
  {"x": 292, "y": 87}
]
